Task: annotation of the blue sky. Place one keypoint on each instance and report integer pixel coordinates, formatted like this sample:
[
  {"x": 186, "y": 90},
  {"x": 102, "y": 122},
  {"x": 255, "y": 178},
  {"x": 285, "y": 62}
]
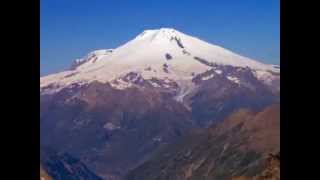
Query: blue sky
[{"x": 72, "y": 28}]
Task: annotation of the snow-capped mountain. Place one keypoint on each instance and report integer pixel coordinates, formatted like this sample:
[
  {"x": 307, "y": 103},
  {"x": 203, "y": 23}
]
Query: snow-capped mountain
[
  {"x": 144, "y": 94},
  {"x": 165, "y": 54}
]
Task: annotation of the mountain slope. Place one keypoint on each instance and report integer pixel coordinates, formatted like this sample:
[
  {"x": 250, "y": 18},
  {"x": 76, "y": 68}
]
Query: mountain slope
[
  {"x": 227, "y": 89},
  {"x": 236, "y": 147},
  {"x": 100, "y": 124}
]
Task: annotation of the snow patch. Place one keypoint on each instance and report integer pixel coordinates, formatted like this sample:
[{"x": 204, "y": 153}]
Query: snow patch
[
  {"x": 154, "y": 84},
  {"x": 234, "y": 79},
  {"x": 157, "y": 139},
  {"x": 185, "y": 87},
  {"x": 207, "y": 77},
  {"x": 120, "y": 84},
  {"x": 218, "y": 71},
  {"x": 266, "y": 77},
  {"x": 110, "y": 126}
]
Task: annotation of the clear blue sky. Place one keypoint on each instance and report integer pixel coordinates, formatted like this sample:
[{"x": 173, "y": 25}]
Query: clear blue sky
[{"x": 72, "y": 28}]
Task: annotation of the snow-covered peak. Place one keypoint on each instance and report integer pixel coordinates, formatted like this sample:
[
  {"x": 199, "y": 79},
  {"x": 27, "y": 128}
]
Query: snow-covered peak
[
  {"x": 157, "y": 42},
  {"x": 163, "y": 53},
  {"x": 162, "y": 33}
]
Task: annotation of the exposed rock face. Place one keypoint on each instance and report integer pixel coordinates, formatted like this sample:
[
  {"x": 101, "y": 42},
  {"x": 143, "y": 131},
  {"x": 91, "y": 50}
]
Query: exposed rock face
[
  {"x": 63, "y": 166},
  {"x": 237, "y": 147}
]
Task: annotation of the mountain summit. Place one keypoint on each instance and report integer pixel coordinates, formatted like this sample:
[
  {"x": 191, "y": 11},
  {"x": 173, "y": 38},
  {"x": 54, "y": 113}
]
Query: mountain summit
[{"x": 161, "y": 53}]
